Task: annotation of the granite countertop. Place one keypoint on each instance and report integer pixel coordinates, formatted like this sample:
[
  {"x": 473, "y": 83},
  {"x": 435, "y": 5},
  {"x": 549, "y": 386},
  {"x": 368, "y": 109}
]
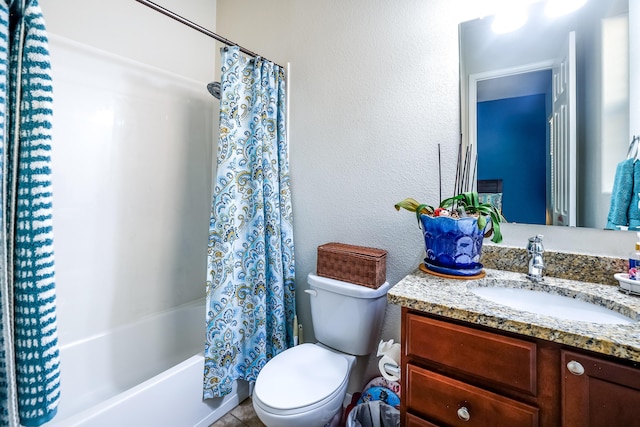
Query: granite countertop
[{"x": 452, "y": 298}]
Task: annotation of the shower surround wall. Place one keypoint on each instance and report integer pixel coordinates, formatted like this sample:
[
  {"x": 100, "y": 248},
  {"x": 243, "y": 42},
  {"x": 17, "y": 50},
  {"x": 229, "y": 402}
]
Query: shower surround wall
[
  {"x": 131, "y": 150},
  {"x": 132, "y": 172}
]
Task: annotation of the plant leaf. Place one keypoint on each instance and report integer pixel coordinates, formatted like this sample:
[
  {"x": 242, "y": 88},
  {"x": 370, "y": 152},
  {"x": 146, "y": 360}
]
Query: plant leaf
[
  {"x": 496, "y": 217},
  {"x": 408, "y": 204},
  {"x": 482, "y": 222},
  {"x": 447, "y": 203},
  {"x": 423, "y": 209},
  {"x": 412, "y": 205}
]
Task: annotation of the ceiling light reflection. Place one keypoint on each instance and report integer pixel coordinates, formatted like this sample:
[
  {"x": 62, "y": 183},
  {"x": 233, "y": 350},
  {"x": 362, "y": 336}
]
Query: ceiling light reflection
[
  {"x": 510, "y": 19},
  {"x": 556, "y": 8}
]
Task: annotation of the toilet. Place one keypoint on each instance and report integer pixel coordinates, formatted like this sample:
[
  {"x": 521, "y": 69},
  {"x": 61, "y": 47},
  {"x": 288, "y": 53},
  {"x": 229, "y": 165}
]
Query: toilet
[{"x": 306, "y": 384}]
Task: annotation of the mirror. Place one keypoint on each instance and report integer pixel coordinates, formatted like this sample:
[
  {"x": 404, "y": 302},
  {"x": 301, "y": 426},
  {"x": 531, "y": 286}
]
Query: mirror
[{"x": 549, "y": 149}]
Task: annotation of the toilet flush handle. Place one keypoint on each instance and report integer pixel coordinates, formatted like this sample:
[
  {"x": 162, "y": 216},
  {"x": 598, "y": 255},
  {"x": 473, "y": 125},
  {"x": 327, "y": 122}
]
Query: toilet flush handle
[{"x": 312, "y": 292}]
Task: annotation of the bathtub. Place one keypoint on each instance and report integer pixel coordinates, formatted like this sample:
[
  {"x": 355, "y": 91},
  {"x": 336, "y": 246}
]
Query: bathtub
[{"x": 148, "y": 373}]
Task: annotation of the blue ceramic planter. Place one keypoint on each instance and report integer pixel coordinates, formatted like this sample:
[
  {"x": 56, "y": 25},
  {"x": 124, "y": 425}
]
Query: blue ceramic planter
[{"x": 453, "y": 245}]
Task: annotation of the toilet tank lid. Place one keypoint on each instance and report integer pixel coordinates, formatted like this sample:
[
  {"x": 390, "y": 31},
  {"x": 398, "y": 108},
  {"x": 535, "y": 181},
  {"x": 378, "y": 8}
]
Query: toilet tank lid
[{"x": 346, "y": 288}]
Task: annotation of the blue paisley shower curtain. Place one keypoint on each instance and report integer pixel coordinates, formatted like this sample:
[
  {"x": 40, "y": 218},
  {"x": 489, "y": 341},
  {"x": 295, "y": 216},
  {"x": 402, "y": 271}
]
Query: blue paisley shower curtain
[
  {"x": 29, "y": 356},
  {"x": 250, "y": 277}
]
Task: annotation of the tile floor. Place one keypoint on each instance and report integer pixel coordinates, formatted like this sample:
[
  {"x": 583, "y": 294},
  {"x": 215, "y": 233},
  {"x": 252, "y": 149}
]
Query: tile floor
[{"x": 241, "y": 416}]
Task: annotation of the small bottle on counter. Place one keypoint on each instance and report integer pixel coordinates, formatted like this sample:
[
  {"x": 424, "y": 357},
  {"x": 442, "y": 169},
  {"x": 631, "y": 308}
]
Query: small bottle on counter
[{"x": 634, "y": 262}]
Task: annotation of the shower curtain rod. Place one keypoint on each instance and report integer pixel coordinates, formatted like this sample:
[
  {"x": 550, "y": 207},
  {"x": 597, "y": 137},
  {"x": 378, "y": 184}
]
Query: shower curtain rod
[{"x": 197, "y": 27}]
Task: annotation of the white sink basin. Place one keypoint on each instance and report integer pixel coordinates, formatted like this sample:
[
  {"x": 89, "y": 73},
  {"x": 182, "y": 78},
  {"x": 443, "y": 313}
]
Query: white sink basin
[{"x": 547, "y": 304}]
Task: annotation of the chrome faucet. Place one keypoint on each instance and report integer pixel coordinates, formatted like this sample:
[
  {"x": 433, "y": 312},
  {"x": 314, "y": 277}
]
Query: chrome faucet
[{"x": 536, "y": 263}]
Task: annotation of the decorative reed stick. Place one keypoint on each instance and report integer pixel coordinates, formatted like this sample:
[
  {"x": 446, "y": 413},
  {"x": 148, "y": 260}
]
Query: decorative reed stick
[{"x": 439, "y": 172}]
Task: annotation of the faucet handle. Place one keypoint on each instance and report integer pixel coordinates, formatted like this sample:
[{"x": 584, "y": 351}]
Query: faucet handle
[{"x": 535, "y": 244}]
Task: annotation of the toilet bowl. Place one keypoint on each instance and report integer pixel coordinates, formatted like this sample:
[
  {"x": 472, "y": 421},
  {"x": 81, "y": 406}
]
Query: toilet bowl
[
  {"x": 302, "y": 386},
  {"x": 306, "y": 384}
]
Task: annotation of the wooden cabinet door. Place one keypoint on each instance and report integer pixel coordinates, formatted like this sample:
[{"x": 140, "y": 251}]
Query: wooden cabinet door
[{"x": 599, "y": 393}]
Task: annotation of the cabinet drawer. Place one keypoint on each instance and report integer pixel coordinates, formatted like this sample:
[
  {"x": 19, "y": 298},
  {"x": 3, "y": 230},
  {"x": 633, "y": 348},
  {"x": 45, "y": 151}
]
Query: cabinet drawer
[
  {"x": 440, "y": 398},
  {"x": 504, "y": 360},
  {"x": 413, "y": 421}
]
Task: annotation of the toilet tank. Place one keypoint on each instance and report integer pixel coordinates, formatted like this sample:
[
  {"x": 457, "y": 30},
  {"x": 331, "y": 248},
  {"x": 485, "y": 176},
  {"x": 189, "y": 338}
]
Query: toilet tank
[{"x": 347, "y": 317}]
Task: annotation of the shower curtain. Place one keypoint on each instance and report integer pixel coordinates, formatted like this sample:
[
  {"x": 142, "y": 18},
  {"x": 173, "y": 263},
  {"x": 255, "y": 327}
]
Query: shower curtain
[
  {"x": 29, "y": 357},
  {"x": 250, "y": 278}
]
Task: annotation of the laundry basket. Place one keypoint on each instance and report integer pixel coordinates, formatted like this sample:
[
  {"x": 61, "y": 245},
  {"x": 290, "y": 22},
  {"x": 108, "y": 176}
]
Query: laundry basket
[{"x": 374, "y": 413}]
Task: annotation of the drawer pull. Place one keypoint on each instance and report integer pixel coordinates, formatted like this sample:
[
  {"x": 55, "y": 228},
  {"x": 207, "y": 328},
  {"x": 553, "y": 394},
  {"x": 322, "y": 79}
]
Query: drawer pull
[
  {"x": 575, "y": 368},
  {"x": 463, "y": 414}
]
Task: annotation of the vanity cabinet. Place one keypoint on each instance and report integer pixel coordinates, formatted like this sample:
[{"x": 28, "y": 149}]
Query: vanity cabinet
[
  {"x": 597, "y": 392},
  {"x": 457, "y": 374}
]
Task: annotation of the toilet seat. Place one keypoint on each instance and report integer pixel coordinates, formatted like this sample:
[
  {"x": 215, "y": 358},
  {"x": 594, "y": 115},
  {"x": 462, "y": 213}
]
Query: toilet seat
[{"x": 300, "y": 379}]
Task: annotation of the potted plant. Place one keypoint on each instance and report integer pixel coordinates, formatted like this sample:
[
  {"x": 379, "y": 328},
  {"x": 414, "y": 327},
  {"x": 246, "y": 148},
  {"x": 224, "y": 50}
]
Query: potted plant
[{"x": 454, "y": 232}]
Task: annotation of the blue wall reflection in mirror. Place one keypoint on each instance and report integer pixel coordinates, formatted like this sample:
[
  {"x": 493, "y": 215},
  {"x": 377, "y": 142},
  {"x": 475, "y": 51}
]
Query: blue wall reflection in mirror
[{"x": 513, "y": 139}]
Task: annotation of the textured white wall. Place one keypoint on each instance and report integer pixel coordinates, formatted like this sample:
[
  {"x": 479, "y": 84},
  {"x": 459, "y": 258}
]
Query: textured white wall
[{"x": 374, "y": 90}]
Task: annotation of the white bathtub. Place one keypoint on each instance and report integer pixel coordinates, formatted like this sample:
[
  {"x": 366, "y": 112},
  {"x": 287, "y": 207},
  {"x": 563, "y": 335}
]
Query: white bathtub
[{"x": 144, "y": 374}]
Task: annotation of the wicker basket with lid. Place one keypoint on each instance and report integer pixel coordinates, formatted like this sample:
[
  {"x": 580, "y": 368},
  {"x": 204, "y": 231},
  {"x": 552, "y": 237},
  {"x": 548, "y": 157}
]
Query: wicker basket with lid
[{"x": 354, "y": 264}]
